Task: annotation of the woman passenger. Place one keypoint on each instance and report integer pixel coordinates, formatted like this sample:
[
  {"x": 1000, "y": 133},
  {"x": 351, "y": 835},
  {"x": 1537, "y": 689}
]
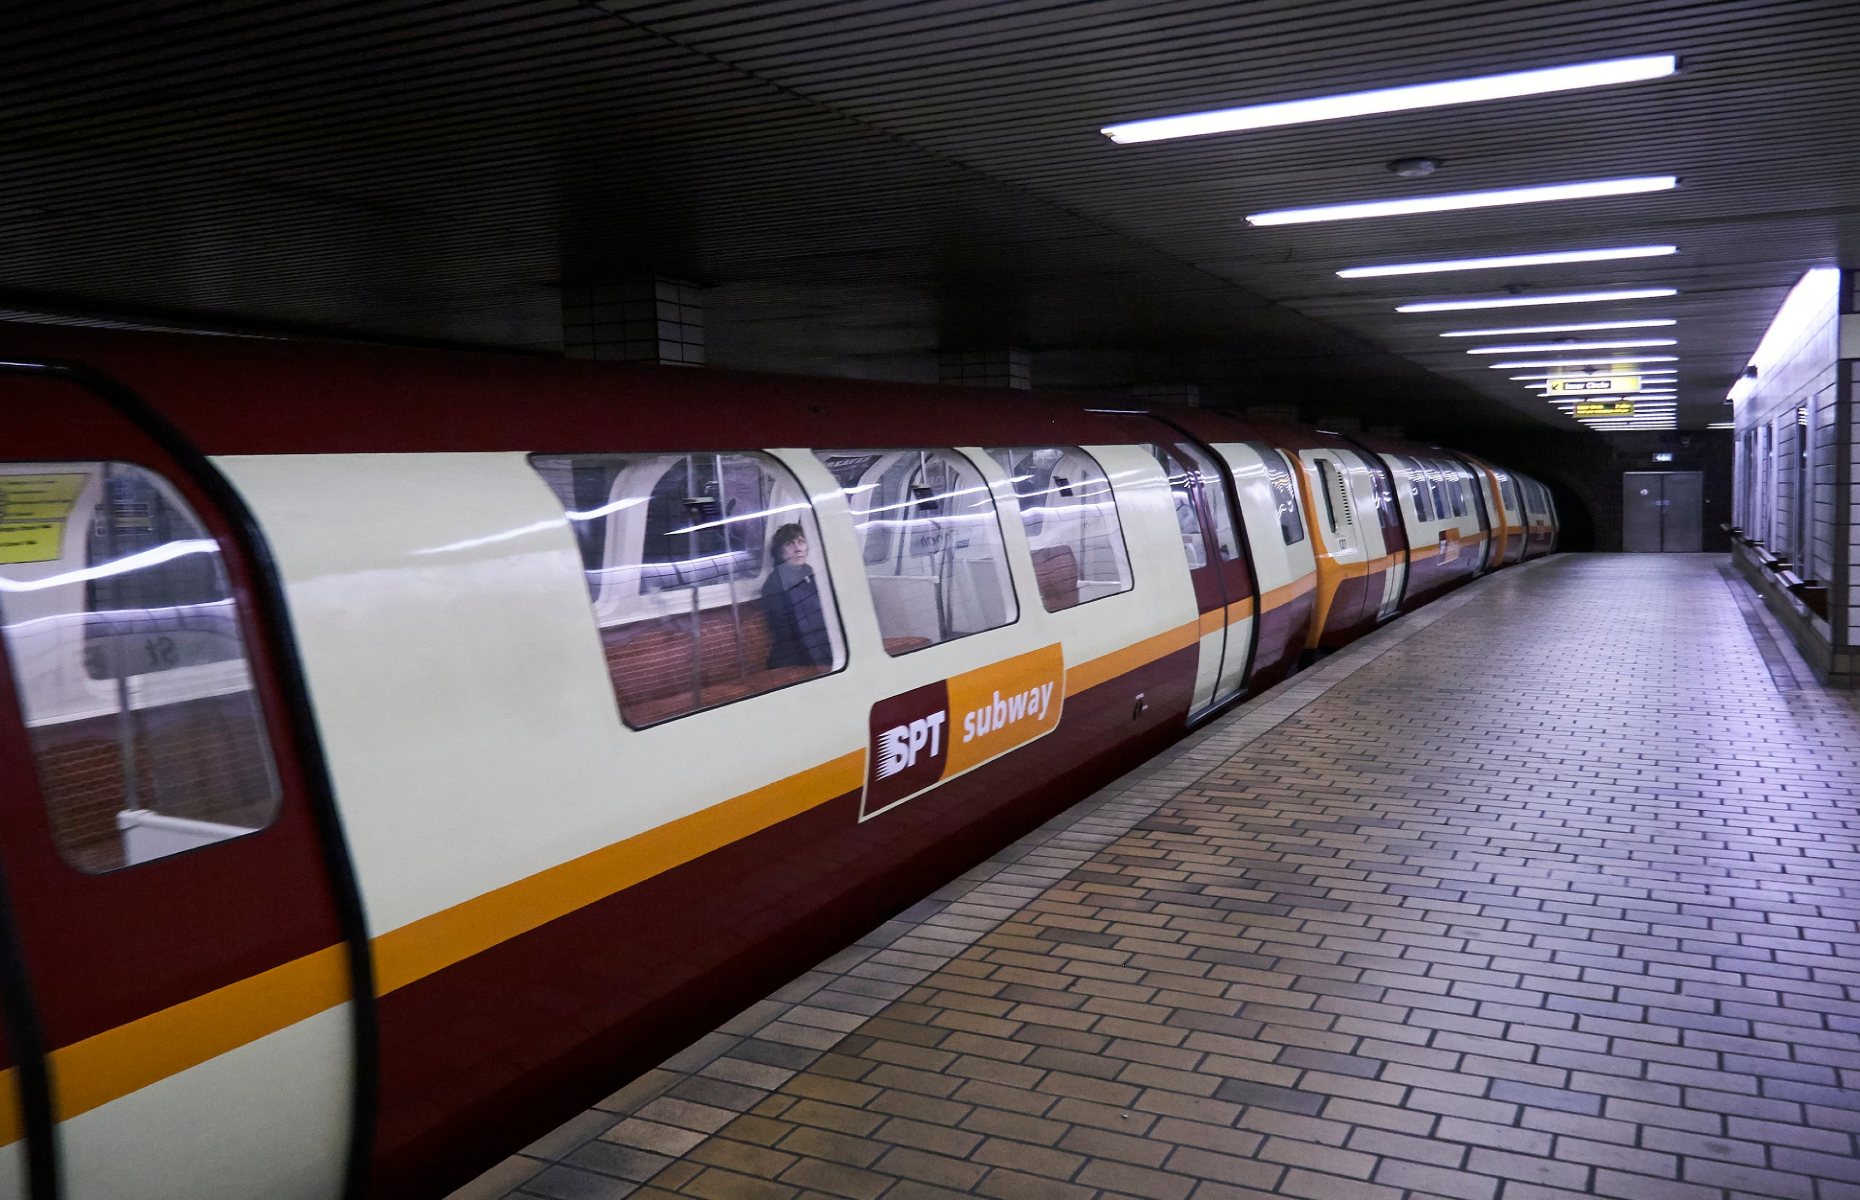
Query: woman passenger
[{"x": 791, "y": 601}]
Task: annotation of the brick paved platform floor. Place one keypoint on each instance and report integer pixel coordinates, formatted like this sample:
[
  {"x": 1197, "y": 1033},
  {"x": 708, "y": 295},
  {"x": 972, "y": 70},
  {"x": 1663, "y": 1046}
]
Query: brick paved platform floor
[{"x": 1549, "y": 890}]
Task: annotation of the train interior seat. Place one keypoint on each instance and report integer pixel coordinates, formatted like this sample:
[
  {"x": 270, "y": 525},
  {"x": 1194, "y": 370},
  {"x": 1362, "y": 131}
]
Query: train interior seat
[
  {"x": 1057, "y": 569},
  {"x": 660, "y": 668}
]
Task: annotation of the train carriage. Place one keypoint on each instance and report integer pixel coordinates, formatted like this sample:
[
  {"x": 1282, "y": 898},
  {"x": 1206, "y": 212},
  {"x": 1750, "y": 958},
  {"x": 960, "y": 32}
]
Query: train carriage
[{"x": 404, "y": 747}]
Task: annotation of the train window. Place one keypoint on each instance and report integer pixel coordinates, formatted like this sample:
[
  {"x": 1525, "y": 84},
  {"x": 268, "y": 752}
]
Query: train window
[
  {"x": 1070, "y": 516},
  {"x": 1187, "y": 519},
  {"x": 705, "y": 575},
  {"x": 122, "y": 635},
  {"x": 1456, "y": 489},
  {"x": 1214, "y": 488},
  {"x": 1175, "y": 461},
  {"x": 932, "y": 544},
  {"x": 1436, "y": 487},
  {"x": 1328, "y": 479},
  {"x": 1284, "y": 492},
  {"x": 1418, "y": 490}
]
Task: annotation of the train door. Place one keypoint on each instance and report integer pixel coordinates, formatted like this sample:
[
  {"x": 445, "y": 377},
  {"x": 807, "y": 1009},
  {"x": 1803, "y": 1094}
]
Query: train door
[
  {"x": 1350, "y": 583},
  {"x": 167, "y": 873},
  {"x": 1283, "y": 567},
  {"x": 1394, "y": 536},
  {"x": 1217, "y": 565},
  {"x": 1513, "y": 548},
  {"x": 1473, "y": 481}
]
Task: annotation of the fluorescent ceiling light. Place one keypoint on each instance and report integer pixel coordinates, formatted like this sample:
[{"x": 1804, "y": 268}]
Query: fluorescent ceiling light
[
  {"x": 1507, "y": 260},
  {"x": 1395, "y": 99},
  {"x": 1585, "y": 327},
  {"x": 1410, "y": 205},
  {"x": 1525, "y": 301},
  {"x": 1629, "y": 373},
  {"x": 1554, "y": 347},
  {"x": 1722, "y": 425},
  {"x": 1584, "y": 362}
]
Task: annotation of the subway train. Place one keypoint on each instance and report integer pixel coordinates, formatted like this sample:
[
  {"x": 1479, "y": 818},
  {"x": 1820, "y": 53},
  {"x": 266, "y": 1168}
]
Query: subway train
[{"x": 403, "y": 748}]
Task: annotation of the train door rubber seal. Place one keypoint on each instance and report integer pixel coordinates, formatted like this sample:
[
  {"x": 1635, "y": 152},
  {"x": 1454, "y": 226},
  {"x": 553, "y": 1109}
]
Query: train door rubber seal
[
  {"x": 25, "y": 1036},
  {"x": 272, "y": 614}
]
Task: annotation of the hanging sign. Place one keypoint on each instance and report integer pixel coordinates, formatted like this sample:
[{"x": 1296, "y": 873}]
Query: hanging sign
[
  {"x": 1574, "y": 385},
  {"x": 1605, "y": 408}
]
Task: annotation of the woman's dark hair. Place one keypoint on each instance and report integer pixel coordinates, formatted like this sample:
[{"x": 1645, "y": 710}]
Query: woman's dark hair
[{"x": 791, "y": 532}]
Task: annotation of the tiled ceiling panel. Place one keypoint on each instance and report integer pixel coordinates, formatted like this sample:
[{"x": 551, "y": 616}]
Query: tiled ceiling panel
[{"x": 861, "y": 182}]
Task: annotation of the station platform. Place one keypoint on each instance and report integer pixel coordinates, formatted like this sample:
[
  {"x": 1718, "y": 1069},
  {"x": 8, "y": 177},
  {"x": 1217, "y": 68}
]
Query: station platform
[{"x": 1548, "y": 890}]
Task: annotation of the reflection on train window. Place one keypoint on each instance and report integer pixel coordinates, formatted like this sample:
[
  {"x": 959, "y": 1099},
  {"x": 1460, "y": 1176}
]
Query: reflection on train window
[
  {"x": 1214, "y": 491},
  {"x": 1436, "y": 487},
  {"x": 1284, "y": 492},
  {"x": 1456, "y": 489},
  {"x": 932, "y": 544},
  {"x": 123, "y": 642},
  {"x": 705, "y": 573},
  {"x": 1417, "y": 485},
  {"x": 1070, "y": 516},
  {"x": 1187, "y": 518},
  {"x": 1186, "y": 468}
]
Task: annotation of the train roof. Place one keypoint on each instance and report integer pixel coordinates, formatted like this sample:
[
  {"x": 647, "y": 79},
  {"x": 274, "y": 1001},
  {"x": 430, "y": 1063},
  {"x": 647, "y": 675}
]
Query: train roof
[{"x": 237, "y": 395}]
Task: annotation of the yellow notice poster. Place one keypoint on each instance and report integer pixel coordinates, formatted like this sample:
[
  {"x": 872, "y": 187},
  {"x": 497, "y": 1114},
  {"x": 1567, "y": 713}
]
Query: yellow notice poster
[{"x": 33, "y": 512}]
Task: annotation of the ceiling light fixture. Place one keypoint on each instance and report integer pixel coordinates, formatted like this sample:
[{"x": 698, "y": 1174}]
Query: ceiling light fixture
[
  {"x": 1507, "y": 260},
  {"x": 1584, "y": 327},
  {"x": 1585, "y": 362},
  {"x": 1722, "y": 425},
  {"x": 1426, "y": 306},
  {"x": 1406, "y": 206},
  {"x": 1395, "y": 99},
  {"x": 1556, "y": 347}
]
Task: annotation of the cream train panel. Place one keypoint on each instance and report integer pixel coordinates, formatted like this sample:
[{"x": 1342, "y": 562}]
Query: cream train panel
[
  {"x": 461, "y": 689},
  {"x": 1275, "y": 564},
  {"x": 13, "y": 1171},
  {"x": 455, "y": 671},
  {"x": 268, "y": 1121}
]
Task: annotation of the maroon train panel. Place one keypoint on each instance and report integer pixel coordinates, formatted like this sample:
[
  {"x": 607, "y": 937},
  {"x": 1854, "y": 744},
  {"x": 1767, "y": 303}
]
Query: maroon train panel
[
  {"x": 516, "y": 1039},
  {"x": 102, "y": 950}
]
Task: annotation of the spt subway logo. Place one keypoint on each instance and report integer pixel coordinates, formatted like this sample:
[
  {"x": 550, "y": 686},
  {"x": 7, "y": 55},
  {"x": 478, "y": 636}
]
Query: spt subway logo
[{"x": 936, "y": 732}]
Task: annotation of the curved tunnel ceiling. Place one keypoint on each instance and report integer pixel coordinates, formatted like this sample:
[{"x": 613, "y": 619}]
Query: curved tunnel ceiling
[{"x": 860, "y": 183}]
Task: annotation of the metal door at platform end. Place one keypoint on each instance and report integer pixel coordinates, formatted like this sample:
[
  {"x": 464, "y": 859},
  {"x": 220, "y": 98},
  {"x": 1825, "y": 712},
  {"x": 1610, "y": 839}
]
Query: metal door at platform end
[{"x": 1661, "y": 512}]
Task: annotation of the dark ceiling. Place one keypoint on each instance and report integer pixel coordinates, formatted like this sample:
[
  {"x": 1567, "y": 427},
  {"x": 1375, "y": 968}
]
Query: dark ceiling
[{"x": 859, "y": 183}]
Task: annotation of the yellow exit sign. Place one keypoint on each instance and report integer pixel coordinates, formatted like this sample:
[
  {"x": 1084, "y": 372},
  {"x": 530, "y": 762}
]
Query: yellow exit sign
[{"x": 1605, "y": 408}]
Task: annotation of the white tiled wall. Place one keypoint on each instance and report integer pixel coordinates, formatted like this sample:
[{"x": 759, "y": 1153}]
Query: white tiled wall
[{"x": 1802, "y": 372}]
